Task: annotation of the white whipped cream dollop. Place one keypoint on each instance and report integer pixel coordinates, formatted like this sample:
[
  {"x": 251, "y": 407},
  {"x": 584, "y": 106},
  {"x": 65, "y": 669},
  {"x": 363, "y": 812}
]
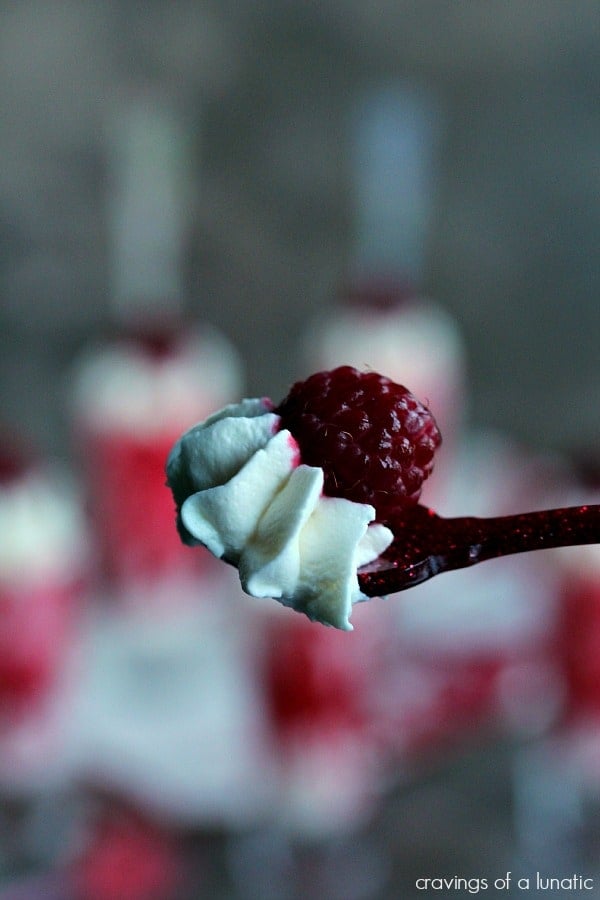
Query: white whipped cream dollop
[
  {"x": 243, "y": 492},
  {"x": 42, "y": 527},
  {"x": 119, "y": 386}
]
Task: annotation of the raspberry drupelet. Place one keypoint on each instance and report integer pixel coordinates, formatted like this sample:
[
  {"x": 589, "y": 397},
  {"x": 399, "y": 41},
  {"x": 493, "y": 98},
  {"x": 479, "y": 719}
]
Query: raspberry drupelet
[{"x": 373, "y": 439}]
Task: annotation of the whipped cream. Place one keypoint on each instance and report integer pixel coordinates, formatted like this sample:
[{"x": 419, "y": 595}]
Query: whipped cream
[
  {"x": 243, "y": 492},
  {"x": 119, "y": 386},
  {"x": 42, "y": 527}
]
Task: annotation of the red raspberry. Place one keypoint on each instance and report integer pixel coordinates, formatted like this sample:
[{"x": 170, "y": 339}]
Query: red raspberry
[{"x": 374, "y": 440}]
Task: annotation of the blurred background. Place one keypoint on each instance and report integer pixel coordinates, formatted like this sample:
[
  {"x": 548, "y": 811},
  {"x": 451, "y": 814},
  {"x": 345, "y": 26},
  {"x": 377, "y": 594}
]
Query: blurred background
[{"x": 203, "y": 201}]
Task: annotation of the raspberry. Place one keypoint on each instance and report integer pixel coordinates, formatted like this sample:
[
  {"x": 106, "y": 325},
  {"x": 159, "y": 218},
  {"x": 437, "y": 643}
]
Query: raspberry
[{"x": 373, "y": 439}]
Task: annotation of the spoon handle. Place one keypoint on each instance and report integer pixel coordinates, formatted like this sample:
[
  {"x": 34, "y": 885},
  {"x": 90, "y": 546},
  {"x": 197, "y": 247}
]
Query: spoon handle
[
  {"x": 434, "y": 544},
  {"x": 565, "y": 527}
]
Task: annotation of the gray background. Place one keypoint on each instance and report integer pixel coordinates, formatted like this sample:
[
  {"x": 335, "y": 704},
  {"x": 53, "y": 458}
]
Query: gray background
[{"x": 267, "y": 87}]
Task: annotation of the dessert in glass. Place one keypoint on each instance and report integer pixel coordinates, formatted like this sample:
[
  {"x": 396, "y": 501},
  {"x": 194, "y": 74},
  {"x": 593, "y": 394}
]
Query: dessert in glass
[
  {"x": 153, "y": 375},
  {"x": 382, "y": 315},
  {"x": 44, "y": 560},
  {"x": 132, "y": 396}
]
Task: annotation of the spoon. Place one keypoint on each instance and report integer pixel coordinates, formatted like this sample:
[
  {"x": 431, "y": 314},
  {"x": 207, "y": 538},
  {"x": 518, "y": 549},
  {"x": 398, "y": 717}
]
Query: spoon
[{"x": 426, "y": 544}]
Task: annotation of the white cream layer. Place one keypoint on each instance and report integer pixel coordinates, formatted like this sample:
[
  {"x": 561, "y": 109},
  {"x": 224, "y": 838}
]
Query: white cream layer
[
  {"x": 119, "y": 386},
  {"x": 42, "y": 528},
  {"x": 250, "y": 500}
]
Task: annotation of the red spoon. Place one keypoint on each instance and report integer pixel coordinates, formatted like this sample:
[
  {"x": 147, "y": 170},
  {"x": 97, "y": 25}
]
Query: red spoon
[{"x": 426, "y": 544}]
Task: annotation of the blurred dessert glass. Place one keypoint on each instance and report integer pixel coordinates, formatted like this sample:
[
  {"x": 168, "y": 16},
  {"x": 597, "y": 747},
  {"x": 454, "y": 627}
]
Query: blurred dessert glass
[
  {"x": 44, "y": 560},
  {"x": 382, "y": 319},
  {"x": 156, "y": 375}
]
